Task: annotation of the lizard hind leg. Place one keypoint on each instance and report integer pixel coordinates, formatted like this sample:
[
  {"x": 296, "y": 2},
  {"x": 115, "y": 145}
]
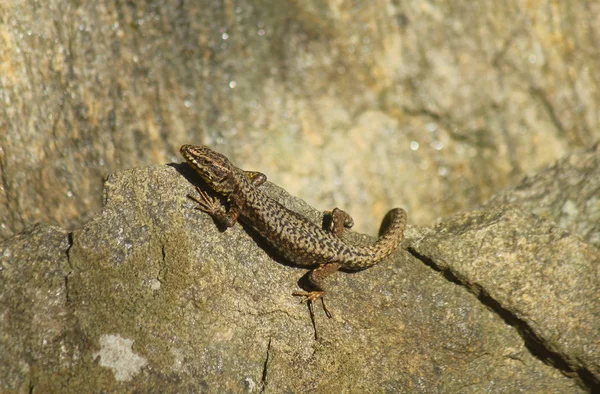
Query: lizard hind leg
[
  {"x": 340, "y": 221},
  {"x": 315, "y": 279}
]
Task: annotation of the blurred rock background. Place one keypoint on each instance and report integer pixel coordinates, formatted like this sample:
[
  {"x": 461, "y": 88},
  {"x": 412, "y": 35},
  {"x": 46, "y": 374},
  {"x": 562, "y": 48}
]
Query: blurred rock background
[{"x": 431, "y": 106}]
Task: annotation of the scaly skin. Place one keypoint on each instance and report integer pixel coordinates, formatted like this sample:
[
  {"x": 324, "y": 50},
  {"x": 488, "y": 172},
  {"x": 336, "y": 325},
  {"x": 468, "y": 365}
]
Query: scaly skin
[{"x": 299, "y": 240}]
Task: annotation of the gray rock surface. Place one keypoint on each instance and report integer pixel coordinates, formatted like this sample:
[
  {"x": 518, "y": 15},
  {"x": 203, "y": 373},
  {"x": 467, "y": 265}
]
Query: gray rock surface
[
  {"x": 541, "y": 279},
  {"x": 150, "y": 296},
  {"x": 364, "y": 105},
  {"x": 38, "y": 335},
  {"x": 568, "y": 193}
]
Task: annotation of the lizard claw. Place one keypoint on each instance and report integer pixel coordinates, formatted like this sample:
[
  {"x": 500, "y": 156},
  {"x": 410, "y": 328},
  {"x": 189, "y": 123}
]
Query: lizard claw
[
  {"x": 205, "y": 202},
  {"x": 310, "y": 296}
]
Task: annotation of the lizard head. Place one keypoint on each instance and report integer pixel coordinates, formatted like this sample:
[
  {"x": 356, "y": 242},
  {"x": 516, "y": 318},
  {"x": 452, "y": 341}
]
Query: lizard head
[{"x": 212, "y": 166}]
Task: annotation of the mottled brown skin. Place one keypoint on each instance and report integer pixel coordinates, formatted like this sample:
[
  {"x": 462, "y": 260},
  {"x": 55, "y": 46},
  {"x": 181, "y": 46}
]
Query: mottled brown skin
[{"x": 295, "y": 237}]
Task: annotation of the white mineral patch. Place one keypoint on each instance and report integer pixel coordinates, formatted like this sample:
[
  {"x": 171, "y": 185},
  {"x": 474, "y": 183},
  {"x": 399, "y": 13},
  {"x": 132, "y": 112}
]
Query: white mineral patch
[{"x": 116, "y": 353}]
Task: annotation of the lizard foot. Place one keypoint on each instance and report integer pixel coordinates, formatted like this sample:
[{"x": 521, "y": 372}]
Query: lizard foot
[
  {"x": 311, "y": 296},
  {"x": 205, "y": 202}
]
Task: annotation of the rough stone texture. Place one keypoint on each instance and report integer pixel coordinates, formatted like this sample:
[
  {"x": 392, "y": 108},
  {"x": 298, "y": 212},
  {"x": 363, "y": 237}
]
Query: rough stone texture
[
  {"x": 544, "y": 280},
  {"x": 37, "y": 331},
  {"x": 366, "y": 105},
  {"x": 150, "y": 297},
  {"x": 568, "y": 193},
  {"x": 362, "y": 105},
  {"x": 517, "y": 257}
]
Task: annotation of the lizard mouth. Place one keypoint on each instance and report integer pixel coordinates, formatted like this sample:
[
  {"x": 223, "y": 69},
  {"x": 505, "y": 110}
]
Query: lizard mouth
[
  {"x": 200, "y": 158},
  {"x": 194, "y": 156}
]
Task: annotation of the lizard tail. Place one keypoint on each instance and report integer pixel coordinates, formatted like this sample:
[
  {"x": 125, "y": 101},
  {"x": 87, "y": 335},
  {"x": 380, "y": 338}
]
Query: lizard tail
[{"x": 391, "y": 233}]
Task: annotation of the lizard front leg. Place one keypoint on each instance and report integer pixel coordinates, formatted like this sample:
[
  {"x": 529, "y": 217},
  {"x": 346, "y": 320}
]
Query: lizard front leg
[{"x": 215, "y": 208}]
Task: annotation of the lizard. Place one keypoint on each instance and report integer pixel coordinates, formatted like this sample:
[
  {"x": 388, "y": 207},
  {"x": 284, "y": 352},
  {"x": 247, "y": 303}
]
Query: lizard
[{"x": 295, "y": 237}]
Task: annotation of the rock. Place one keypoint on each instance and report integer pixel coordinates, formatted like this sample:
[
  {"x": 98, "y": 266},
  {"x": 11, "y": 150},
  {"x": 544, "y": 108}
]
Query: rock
[
  {"x": 566, "y": 193},
  {"x": 150, "y": 296},
  {"x": 540, "y": 279},
  {"x": 432, "y": 106}
]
